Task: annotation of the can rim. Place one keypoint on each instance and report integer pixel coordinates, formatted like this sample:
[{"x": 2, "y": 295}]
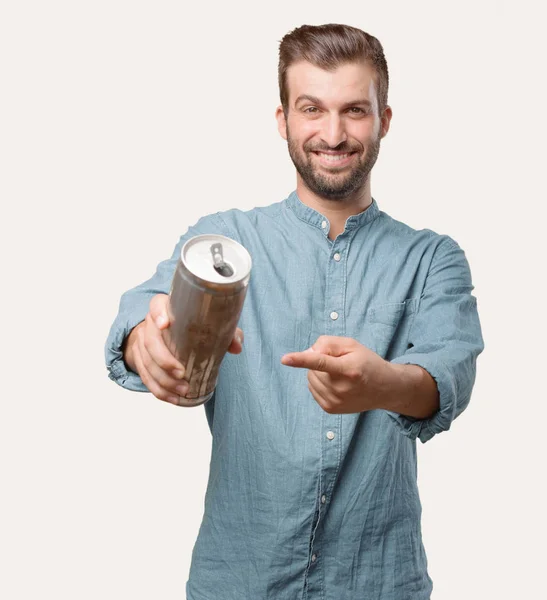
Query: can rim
[{"x": 237, "y": 280}]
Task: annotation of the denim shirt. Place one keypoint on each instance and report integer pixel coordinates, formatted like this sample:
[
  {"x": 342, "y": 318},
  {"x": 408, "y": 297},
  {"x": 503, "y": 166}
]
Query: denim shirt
[{"x": 302, "y": 504}]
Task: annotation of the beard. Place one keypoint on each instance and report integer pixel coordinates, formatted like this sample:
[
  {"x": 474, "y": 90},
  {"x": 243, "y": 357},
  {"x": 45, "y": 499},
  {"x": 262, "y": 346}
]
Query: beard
[{"x": 336, "y": 185}]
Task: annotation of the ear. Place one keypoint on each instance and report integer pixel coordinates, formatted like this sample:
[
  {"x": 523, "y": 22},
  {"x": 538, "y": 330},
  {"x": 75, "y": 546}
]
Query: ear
[
  {"x": 281, "y": 122},
  {"x": 385, "y": 121}
]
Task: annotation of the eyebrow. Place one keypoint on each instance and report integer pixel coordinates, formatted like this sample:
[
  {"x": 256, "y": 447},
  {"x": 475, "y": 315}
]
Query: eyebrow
[{"x": 318, "y": 101}]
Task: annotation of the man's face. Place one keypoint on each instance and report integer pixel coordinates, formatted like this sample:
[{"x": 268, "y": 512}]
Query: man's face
[{"x": 333, "y": 128}]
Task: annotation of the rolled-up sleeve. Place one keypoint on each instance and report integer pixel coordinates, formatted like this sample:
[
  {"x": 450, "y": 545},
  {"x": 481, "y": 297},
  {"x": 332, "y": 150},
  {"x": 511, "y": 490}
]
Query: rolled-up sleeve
[
  {"x": 445, "y": 339},
  {"x": 134, "y": 304}
]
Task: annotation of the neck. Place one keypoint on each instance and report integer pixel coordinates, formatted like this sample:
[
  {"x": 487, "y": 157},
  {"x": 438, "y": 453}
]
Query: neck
[{"x": 336, "y": 211}]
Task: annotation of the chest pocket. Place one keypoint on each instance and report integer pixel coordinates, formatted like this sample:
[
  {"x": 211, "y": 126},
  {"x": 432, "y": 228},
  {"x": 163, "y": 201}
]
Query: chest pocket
[{"x": 387, "y": 327}]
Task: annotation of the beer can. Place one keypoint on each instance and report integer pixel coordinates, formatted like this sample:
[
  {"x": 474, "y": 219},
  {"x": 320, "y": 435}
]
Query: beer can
[{"x": 205, "y": 302}]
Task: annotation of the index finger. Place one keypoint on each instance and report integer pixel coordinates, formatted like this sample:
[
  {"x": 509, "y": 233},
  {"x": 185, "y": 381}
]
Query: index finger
[{"x": 316, "y": 361}]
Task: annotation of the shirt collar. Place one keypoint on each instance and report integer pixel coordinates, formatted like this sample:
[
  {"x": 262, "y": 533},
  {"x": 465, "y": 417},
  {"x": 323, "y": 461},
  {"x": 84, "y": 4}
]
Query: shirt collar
[{"x": 316, "y": 219}]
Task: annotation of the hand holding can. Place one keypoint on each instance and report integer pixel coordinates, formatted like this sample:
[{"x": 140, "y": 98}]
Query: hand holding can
[{"x": 146, "y": 353}]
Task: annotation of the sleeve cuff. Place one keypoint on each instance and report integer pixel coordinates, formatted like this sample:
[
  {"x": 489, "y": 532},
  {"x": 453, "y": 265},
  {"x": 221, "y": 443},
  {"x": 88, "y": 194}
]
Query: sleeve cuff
[
  {"x": 425, "y": 429},
  {"x": 117, "y": 370}
]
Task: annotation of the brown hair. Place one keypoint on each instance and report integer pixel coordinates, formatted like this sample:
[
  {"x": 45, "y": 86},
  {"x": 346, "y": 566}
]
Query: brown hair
[{"x": 327, "y": 47}]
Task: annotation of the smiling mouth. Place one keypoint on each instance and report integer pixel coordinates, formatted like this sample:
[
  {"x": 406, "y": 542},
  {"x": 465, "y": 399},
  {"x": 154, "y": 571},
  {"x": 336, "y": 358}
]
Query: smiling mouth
[{"x": 336, "y": 158}]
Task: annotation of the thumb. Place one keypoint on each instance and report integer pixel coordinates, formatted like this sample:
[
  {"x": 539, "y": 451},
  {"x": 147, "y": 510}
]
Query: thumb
[
  {"x": 333, "y": 345},
  {"x": 158, "y": 310}
]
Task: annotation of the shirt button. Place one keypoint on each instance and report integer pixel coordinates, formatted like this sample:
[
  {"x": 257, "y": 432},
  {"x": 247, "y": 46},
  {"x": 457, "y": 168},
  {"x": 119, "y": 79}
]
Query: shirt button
[
  {"x": 323, "y": 499},
  {"x": 334, "y": 315},
  {"x": 313, "y": 557},
  {"x": 324, "y": 225},
  {"x": 336, "y": 257},
  {"x": 330, "y": 435}
]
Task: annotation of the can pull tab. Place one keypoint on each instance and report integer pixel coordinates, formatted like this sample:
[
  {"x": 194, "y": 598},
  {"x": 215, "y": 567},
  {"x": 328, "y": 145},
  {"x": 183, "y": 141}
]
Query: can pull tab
[{"x": 220, "y": 266}]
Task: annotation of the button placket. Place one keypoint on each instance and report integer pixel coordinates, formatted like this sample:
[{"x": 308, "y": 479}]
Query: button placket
[
  {"x": 334, "y": 292},
  {"x": 330, "y": 432}
]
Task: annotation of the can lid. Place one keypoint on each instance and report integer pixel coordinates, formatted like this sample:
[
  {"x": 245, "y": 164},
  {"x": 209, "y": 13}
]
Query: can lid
[{"x": 216, "y": 258}]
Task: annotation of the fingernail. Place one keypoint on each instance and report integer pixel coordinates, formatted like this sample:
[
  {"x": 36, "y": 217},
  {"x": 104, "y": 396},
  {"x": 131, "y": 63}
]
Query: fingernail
[
  {"x": 238, "y": 339},
  {"x": 161, "y": 321},
  {"x": 182, "y": 389},
  {"x": 173, "y": 399},
  {"x": 178, "y": 374}
]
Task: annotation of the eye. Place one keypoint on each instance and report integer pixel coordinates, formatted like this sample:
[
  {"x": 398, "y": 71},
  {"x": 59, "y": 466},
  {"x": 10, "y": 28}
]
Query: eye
[
  {"x": 356, "y": 108},
  {"x": 310, "y": 109}
]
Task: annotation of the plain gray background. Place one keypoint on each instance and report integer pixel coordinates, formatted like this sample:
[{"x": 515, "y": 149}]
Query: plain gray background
[{"x": 121, "y": 124}]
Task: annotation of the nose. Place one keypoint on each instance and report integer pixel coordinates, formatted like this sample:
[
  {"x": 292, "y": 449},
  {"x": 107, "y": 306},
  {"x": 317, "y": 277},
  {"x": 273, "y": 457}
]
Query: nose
[{"x": 333, "y": 132}]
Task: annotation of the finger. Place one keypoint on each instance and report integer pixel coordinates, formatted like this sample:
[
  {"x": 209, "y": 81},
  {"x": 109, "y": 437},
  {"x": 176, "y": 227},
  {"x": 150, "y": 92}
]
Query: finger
[
  {"x": 158, "y": 351},
  {"x": 316, "y": 361},
  {"x": 322, "y": 392},
  {"x": 158, "y": 310},
  {"x": 153, "y": 387},
  {"x": 236, "y": 345},
  {"x": 319, "y": 392},
  {"x": 325, "y": 378},
  {"x": 162, "y": 378}
]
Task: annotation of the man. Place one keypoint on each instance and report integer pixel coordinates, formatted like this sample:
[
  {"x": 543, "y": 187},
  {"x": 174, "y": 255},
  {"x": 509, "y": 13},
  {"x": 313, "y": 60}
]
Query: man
[{"x": 361, "y": 335}]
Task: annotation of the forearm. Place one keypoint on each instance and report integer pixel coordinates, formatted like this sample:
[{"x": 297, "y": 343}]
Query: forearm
[{"x": 411, "y": 391}]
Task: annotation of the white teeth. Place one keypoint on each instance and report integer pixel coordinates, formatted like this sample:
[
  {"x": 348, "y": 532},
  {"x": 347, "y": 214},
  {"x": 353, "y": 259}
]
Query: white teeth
[{"x": 333, "y": 157}]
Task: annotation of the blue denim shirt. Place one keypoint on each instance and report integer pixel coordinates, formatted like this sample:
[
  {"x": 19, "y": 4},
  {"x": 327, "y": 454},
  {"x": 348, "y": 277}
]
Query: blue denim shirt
[{"x": 300, "y": 503}]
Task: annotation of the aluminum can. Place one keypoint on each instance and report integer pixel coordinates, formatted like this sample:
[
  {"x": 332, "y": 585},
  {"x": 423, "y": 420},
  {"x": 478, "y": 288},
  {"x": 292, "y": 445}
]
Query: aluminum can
[{"x": 205, "y": 302}]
